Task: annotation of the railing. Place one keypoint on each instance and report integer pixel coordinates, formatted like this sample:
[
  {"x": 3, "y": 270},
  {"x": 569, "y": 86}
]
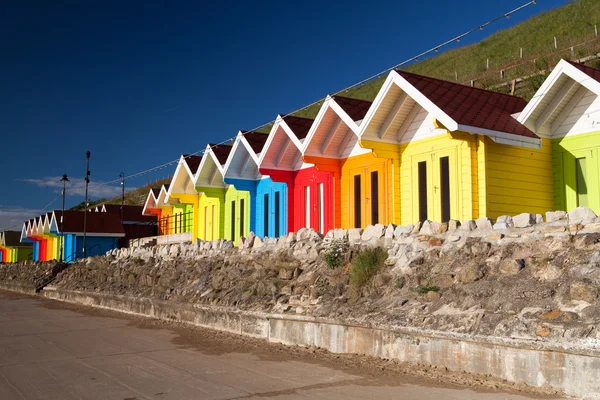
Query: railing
[{"x": 176, "y": 223}]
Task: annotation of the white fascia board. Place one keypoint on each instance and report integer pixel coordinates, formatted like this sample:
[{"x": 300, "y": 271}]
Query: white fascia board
[
  {"x": 424, "y": 102},
  {"x": 202, "y": 164},
  {"x": 316, "y": 123},
  {"x": 173, "y": 179},
  {"x": 344, "y": 117},
  {"x": 385, "y": 88},
  {"x": 504, "y": 138},
  {"x": 249, "y": 149},
  {"x": 220, "y": 167},
  {"x": 272, "y": 134},
  {"x": 163, "y": 195},
  {"x": 563, "y": 67},
  {"x": 292, "y": 136},
  {"x": 541, "y": 93},
  {"x": 150, "y": 195},
  {"x": 234, "y": 148},
  {"x": 54, "y": 223}
]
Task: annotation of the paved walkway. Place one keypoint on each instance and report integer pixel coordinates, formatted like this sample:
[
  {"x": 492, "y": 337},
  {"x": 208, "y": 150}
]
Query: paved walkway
[{"x": 55, "y": 353}]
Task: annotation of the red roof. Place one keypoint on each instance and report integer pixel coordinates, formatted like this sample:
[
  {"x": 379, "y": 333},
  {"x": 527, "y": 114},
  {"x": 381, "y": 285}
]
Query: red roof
[
  {"x": 470, "y": 106},
  {"x": 130, "y": 213},
  {"x": 99, "y": 223},
  {"x": 221, "y": 151},
  {"x": 355, "y": 108},
  {"x": 256, "y": 140},
  {"x": 193, "y": 162},
  {"x": 591, "y": 72},
  {"x": 13, "y": 239},
  {"x": 299, "y": 125}
]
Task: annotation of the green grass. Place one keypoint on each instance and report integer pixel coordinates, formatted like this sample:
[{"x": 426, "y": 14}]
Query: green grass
[
  {"x": 365, "y": 266},
  {"x": 571, "y": 24}
]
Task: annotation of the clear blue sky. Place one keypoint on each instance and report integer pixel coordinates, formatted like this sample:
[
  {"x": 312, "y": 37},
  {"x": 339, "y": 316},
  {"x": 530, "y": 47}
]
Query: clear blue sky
[{"x": 139, "y": 83}]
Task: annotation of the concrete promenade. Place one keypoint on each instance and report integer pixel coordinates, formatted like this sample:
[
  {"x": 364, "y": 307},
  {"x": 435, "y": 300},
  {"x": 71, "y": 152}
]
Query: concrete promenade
[{"x": 52, "y": 351}]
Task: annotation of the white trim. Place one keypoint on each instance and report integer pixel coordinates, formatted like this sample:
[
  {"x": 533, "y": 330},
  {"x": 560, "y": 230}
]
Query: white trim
[
  {"x": 329, "y": 103},
  {"x": 240, "y": 140},
  {"x": 569, "y": 107},
  {"x": 504, "y": 138},
  {"x": 449, "y": 123},
  {"x": 176, "y": 175},
  {"x": 280, "y": 122},
  {"x": 563, "y": 67},
  {"x": 408, "y": 121},
  {"x": 148, "y": 198},
  {"x": 556, "y": 102},
  {"x": 392, "y": 115},
  {"x": 219, "y": 168}
]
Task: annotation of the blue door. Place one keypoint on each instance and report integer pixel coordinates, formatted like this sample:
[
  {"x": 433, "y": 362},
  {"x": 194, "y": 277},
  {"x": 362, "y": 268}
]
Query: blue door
[{"x": 271, "y": 208}]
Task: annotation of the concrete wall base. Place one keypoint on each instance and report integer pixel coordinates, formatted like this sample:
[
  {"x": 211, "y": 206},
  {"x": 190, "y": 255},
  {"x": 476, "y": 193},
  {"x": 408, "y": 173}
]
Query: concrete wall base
[{"x": 575, "y": 372}]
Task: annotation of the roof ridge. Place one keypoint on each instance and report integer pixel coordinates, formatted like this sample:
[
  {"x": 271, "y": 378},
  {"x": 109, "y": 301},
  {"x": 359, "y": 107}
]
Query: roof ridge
[{"x": 460, "y": 84}]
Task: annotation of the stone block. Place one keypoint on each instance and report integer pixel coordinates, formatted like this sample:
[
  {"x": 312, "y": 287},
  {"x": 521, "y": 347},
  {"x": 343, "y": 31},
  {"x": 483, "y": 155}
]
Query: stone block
[
  {"x": 553, "y": 216},
  {"x": 435, "y": 242},
  {"x": 258, "y": 243},
  {"x": 504, "y": 222},
  {"x": 468, "y": 225},
  {"x": 373, "y": 231},
  {"x": 416, "y": 228},
  {"x": 483, "y": 223},
  {"x": 579, "y": 214},
  {"x": 340, "y": 234},
  {"x": 511, "y": 267},
  {"x": 542, "y": 331},
  {"x": 354, "y": 235},
  {"x": 524, "y": 220},
  {"x": 453, "y": 238},
  {"x": 453, "y": 225},
  {"x": 583, "y": 291},
  {"x": 249, "y": 242},
  {"x": 389, "y": 231},
  {"x": 495, "y": 236},
  {"x": 539, "y": 218}
]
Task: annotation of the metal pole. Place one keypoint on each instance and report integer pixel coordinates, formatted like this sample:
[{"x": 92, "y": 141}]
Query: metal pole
[
  {"x": 64, "y": 180},
  {"x": 87, "y": 182},
  {"x": 122, "y": 176}
]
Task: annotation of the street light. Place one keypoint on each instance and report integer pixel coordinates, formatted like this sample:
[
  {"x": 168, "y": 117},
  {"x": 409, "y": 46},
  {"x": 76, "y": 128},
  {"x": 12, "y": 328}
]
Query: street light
[
  {"x": 122, "y": 176},
  {"x": 87, "y": 182},
  {"x": 64, "y": 180}
]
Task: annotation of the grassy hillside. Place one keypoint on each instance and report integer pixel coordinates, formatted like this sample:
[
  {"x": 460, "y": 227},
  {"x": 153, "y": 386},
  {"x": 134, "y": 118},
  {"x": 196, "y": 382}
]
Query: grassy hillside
[
  {"x": 135, "y": 197},
  {"x": 571, "y": 24}
]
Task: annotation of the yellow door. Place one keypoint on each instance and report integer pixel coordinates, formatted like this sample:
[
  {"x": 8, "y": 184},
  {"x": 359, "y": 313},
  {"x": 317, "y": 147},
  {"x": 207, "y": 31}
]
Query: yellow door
[
  {"x": 368, "y": 195},
  {"x": 435, "y": 186},
  {"x": 209, "y": 218}
]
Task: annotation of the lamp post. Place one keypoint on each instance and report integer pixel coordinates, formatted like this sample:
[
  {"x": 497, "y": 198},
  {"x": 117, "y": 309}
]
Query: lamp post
[
  {"x": 122, "y": 176},
  {"x": 64, "y": 180},
  {"x": 87, "y": 182}
]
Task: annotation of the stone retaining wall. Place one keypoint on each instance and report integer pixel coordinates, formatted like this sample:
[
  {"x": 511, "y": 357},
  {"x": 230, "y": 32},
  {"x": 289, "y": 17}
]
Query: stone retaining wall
[{"x": 575, "y": 374}]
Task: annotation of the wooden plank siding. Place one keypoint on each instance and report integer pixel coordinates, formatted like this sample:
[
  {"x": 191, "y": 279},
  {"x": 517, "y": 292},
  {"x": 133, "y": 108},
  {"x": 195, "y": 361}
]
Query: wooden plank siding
[
  {"x": 386, "y": 204},
  {"x": 518, "y": 179},
  {"x": 218, "y": 194},
  {"x": 463, "y": 170},
  {"x": 390, "y": 153},
  {"x": 333, "y": 166},
  {"x": 564, "y": 152}
]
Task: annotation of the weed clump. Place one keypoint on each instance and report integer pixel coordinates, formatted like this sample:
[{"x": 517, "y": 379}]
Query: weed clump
[
  {"x": 335, "y": 253},
  {"x": 365, "y": 266}
]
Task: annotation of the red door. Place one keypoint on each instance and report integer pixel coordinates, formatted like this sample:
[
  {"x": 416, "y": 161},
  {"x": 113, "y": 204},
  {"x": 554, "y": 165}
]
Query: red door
[{"x": 314, "y": 200}]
